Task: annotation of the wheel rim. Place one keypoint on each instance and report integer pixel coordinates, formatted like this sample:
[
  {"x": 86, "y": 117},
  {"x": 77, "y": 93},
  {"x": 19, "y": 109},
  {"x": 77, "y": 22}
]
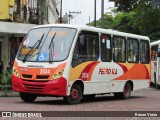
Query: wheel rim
[
  {"x": 127, "y": 90},
  {"x": 74, "y": 94}
]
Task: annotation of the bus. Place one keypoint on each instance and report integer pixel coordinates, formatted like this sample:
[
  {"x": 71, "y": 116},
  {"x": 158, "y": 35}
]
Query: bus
[
  {"x": 75, "y": 62},
  {"x": 155, "y": 66}
]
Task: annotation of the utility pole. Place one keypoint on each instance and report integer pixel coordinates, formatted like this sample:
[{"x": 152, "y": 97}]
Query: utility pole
[
  {"x": 71, "y": 16},
  {"x": 94, "y": 13},
  {"x": 102, "y": 14},
  {"x": 60, "y": 19}
]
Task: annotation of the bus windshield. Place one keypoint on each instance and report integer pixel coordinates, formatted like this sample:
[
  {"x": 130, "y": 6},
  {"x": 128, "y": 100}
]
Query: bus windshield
[{"x": 46, "y": 44}]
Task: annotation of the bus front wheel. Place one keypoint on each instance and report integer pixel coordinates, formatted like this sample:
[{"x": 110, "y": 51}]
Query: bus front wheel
[
  {"x": 126, "y": 92},
  {"x": 27, "y": 97},
  {"x": 75, "y": 95}
]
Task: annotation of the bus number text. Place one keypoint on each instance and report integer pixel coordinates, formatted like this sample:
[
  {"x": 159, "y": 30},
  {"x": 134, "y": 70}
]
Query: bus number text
[
  {"x": 44, "y": 71},
  {"x": 84, "y": 75}
]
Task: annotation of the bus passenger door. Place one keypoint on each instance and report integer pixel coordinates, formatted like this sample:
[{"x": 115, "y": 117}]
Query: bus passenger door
[
  {"x": 108, "y": 69},
  {"x": 158, "y": 68},
  {"x": 154, "y": 64},
  {"x": 86, "y": 64}
]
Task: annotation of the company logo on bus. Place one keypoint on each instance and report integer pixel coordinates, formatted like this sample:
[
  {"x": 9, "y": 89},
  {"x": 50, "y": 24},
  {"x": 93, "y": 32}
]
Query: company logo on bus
[
  {"x": 35, "y": 66},
  {"x": 107, "y": 71},
  {"x": 24, "y": 69}
]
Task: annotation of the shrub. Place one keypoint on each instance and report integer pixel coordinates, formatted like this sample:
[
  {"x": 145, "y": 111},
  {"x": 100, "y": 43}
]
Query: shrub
[{"x": 6, "y": 77}]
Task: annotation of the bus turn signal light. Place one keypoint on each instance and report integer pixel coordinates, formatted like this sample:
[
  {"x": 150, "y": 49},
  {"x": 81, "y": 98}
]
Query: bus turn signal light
[{"x": 15, "y": 72}]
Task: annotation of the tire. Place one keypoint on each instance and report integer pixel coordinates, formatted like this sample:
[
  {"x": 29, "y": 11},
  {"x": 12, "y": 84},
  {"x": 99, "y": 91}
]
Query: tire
[
  {"x": 27, "y": 97},
  {"x": 126, "y": 92},
  {"x": 75, "y": 95}
]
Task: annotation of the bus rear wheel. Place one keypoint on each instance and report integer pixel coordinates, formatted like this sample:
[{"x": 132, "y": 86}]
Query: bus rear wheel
[
  {"x": 75, "y": 95},
  {"x": 126, "y": 92},
  {"x": 27, "y": 97}
]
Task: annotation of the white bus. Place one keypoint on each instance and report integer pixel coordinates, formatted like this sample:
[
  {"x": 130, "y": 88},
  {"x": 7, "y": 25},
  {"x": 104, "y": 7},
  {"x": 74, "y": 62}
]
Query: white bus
[
  {"x": 155, "y": 63},
  {"x": 76, "y": 62}
]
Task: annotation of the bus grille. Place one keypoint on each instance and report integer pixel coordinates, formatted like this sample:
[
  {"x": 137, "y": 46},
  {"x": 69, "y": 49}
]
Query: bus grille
[
  {"x": 26, "y": 76},
  {"x": 33, "y": 87},
  {"x": 42, "y": 77}
]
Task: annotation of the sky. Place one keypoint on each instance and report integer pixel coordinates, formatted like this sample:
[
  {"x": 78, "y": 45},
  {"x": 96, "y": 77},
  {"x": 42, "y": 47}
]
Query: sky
[{"x": 86, "y": 7}]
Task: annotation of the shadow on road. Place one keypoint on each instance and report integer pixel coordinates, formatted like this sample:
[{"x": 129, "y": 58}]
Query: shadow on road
[{"x": 83, "y": 101}]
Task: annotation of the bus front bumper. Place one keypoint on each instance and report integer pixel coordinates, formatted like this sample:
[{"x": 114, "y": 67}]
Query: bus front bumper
[{"x": 53, "y": 87}]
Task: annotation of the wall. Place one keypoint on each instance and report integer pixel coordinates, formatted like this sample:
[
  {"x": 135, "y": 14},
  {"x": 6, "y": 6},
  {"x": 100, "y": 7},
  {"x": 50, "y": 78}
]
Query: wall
[
  {"x": 6, "y": 9},
  {"x": 48, "y": 9}
]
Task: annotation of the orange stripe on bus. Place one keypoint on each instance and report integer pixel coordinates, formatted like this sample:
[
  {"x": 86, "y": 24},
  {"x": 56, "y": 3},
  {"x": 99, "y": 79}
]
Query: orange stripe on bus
[{"x": 138, "y": 71}]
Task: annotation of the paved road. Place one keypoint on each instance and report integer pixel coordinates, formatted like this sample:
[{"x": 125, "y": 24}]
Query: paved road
[{"x": 141, "y": 100}]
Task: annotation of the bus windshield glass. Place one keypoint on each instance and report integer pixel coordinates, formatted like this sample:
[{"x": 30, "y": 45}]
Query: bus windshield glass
[{"x": 46, "y": 44}]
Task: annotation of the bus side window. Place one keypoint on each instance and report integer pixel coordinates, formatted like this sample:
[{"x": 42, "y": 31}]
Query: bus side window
[
  {"x": 132, "y": 50},
  {"x": 106, "y": 48},
  {"x": 155, "y": 52},
  {"x": 119, "y": 54},
  {"x": 76, "y": 54},
  {"x": 144, "y": 52},
  {"x": 87, "y": 48}
]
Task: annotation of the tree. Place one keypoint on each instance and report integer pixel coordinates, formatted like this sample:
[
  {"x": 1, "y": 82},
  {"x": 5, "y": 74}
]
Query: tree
[
  {"x": 148, "y": 21},
  {"x": 108, "y": 22},
  {"x": 144, "y": 20},
  {"x": 129, "y": 5},
  {"x": 125, "y": 22}
]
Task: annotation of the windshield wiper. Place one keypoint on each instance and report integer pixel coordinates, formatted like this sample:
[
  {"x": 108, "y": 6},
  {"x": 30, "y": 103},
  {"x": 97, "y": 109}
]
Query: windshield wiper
[
  {"x": 50, "y": 50},
  {"x": 35, "y": 46}
]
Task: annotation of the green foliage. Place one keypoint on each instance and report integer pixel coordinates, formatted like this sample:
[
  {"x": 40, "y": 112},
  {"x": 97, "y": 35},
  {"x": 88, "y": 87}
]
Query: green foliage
[
  {"x": 144, "y": 20},
  {"x": 6, "y": 77},
  {"x": 129, "y": 5},
  {"x": 148, "y": 21},
  {"x": 125, "y": 22},
  {"x": 108, "y": 21}
]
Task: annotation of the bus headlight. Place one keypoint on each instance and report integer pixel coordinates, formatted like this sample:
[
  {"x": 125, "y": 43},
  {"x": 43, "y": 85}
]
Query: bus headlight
[
  {"x": 60, "y": 73},
  {"x": 57, "y": 75},
  {"x": 15, "y": 72}
]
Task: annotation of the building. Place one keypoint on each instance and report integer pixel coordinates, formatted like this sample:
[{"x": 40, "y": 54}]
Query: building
[
  {"x": 50, "y": 10},
  {"x": 17, "y": 17},
  {"x": 156, "y": 4}
]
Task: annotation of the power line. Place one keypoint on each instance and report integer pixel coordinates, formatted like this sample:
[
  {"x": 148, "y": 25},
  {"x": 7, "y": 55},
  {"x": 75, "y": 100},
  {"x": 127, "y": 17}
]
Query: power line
[{"x": 71, "y": 16}]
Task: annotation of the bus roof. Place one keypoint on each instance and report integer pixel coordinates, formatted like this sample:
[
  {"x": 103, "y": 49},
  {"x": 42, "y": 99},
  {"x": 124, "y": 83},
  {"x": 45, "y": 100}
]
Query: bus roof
[
  {"x": 155, "y": 43},
  {"x": 100, "y": 30}
]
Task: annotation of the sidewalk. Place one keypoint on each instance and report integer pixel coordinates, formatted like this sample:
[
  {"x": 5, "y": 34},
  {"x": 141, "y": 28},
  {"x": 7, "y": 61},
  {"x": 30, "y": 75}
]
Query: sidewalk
[{"x": 6, "y": 91}]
